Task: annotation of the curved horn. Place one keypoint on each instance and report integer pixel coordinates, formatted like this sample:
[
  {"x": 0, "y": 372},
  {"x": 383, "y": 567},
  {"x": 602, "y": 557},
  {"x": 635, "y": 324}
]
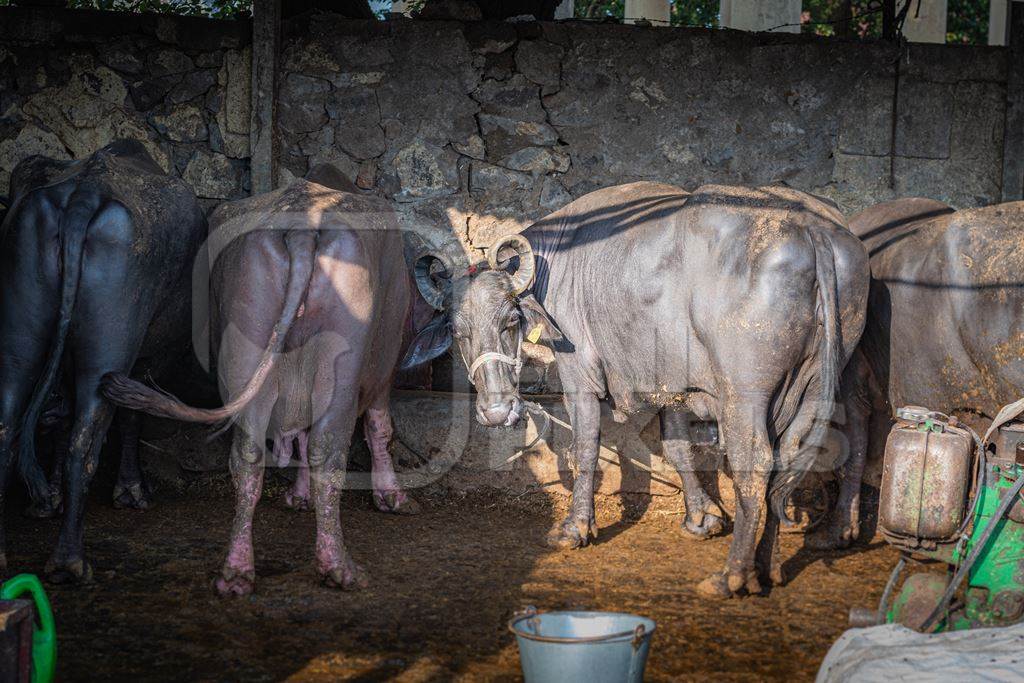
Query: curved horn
[
  {"x": 431, "y": 293},
  {"x": 522, "y": 278}
]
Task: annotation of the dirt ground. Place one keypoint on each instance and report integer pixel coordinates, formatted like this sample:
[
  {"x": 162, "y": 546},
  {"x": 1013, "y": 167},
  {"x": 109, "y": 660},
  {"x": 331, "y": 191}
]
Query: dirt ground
[{"x": 443, "y": 585}]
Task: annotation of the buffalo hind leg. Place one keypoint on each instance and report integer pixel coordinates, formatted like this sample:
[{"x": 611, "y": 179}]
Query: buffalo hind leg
[
  {"x": 704, "y": 518},
  {"x": 579, "y": 526},
  {"x": 238, "y": 576},
  {"x": 68, "y": 563},
  {"x": 750, "y": 459},
  {"x": 130, "y": 491},
  {"x": 58, "y": 437},
  {"x": 329, "y": 441},
  {"x": 388, "y": 496},
  {"x": 842, "y": 526},
  {"x": 297, "y": 497}
]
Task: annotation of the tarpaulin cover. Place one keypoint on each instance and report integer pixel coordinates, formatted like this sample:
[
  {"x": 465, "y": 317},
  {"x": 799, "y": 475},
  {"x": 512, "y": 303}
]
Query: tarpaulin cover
[{"x": 895, "y": 653}]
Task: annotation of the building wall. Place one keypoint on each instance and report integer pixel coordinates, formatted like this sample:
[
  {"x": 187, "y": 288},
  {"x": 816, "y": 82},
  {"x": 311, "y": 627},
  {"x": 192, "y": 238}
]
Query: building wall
[
  {"x": 71, "y": 81},
  {"x": 480, "y": 128}
]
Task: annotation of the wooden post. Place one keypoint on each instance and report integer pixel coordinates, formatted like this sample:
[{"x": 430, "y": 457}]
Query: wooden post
[
  {"x": 1013, "y": 131},
  {"x": 889, "y": 19},
  {"x": 844, "y": 19},
  {"x": 266, "y": 37}
]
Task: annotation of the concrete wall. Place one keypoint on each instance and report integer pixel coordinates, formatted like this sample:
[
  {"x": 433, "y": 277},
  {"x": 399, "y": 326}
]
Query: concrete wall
[{"x": 481, "y": 128}]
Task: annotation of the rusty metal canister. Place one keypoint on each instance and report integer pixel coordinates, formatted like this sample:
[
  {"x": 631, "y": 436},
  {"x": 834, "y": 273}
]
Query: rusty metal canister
[{"x": 925, "y": 477}]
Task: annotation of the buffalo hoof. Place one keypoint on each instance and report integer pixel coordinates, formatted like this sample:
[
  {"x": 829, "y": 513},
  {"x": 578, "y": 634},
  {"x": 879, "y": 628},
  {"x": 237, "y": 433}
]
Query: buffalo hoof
[
  {"x": 297, "y": 502},
  {"x": 130, "y": 497},
  {"x": 75, "y": 571},
  {"x": 729, "y": 585},
  {"x": 395, "y": 502},
  {"x": 776, "y": 575},
  {"x": 831, "y": 536},
  {"x": 234, "y": 582},
  {"x": 347, "y": 576},
  {"x": 710, "y": 526},
  {"x": 571, "y": 534},
  {"x": 44, "y": 509}
]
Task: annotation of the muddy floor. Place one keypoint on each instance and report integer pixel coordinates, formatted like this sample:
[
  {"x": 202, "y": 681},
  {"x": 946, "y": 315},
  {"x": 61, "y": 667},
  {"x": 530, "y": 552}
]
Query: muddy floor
[{"x": 443, "y": 585}]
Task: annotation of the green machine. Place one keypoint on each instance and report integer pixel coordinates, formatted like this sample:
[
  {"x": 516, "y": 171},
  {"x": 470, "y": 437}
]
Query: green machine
[{"x": 951, "y": 502}]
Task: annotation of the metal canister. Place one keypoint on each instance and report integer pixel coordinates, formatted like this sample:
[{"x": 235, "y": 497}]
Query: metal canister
[{"x": 925, "y": 477}]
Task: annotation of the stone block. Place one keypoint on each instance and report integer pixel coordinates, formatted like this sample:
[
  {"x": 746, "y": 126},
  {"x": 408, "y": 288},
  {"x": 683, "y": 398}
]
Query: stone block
[
  {"x": 356, "y": 117},
  {"x": 516, "y": 98},
  {"x": 924, "y": 119},
  {"x": 540, "y": 61},
  {"x": 425, "y": 171},
  {"x": 193, "y": 85},
  {"x": 504, "y": 135},
  {"x": 30, "y": 140},
  {"x": 865, "y": 118},
  {"x": 490, "y": 37},
  {"x": 235, "y": 78},
  {"x": 212, "y": 175},
  {"x": 149, "y": 92},
  {"x": 181, "y": 124},
  {"x": 473, "y": 147},
  {"x": 169, "y": 61},
  {"x": 538, "y": 160},
  {"x": 301, "y": 105}
]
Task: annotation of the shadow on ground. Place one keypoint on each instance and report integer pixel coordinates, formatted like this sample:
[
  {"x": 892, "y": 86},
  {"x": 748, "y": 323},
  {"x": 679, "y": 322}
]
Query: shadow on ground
[{"x": 443, "y": 585}]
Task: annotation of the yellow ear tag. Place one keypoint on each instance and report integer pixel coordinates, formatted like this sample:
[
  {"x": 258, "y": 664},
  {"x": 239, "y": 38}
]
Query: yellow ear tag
[{"x": 535, "y": 333}]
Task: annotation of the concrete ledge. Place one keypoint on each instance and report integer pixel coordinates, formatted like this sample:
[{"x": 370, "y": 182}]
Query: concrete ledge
[{"x": 467, "y": 455}]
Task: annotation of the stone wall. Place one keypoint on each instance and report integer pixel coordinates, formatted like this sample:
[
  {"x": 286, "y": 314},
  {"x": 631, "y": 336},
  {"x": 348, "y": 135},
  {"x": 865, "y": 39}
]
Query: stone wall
[
  {"x": 71, "y": 81},
  {"x": 481, "y": 128}
]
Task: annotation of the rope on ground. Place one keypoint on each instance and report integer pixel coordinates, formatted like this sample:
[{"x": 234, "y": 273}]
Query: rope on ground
[{"x": 534, "y": 408}]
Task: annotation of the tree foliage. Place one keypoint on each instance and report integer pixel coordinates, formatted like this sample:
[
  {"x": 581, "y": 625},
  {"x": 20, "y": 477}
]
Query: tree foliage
[
  {"x": 217, "y": 9},
  {"x": 967, "y": 21}
]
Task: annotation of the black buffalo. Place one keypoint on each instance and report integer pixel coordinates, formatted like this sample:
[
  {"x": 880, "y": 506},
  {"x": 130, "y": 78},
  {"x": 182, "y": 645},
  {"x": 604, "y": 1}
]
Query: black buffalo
[
  {"x": 945, "y": 325},
  {"x": 734, "y": 304},
  {"x": 95, "y": 273}
]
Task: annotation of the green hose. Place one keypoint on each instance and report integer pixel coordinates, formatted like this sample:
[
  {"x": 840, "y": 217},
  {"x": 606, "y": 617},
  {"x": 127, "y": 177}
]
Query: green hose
[{"x": 44, "y": 637}]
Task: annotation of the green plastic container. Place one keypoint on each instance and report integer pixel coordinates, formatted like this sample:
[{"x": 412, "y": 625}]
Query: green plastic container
[{"x": 44, "y": 637}]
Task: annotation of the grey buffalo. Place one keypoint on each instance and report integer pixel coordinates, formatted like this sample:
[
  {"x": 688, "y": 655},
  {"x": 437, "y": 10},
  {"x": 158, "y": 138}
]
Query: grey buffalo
[
  {"x": 95, "y": 273},
  {"x": 310, "y": 296},
  {"x": 733, "y": 304},
  {"x": 944, "y": 326}
]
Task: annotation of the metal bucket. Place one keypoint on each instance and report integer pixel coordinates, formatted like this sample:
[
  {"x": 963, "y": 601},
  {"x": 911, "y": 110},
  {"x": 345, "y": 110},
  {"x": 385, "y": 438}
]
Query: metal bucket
[{"x": 593, "y": 647}]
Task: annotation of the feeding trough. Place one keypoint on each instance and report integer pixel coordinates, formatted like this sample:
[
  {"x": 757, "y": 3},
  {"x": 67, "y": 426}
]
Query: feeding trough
[{"x": 596, "y": 647}]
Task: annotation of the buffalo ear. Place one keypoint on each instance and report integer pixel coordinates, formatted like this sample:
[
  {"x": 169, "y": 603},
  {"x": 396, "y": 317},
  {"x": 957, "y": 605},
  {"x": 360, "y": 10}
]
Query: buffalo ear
[
  {"x": 535, "y": 316},
  {"x": 434, "y": 339}
]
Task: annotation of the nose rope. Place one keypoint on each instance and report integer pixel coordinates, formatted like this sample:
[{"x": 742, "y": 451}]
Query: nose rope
[{"x": 516, "y": 363}]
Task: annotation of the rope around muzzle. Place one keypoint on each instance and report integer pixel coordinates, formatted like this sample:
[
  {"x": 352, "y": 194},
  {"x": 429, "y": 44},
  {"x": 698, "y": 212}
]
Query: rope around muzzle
[{"x": 516, "y": 363}]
